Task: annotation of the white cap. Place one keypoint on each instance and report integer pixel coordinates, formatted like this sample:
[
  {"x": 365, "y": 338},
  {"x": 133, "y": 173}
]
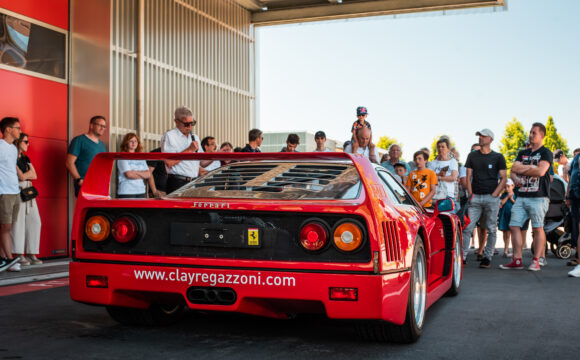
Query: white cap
[
  {"x": 510, "y": 182},
  {"x": 485, "y": 132}
]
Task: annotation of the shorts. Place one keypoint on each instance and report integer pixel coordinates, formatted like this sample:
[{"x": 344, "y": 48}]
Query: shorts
[
  {"x": 534, "y": 208},
  {"x": 9, "y": 206}
]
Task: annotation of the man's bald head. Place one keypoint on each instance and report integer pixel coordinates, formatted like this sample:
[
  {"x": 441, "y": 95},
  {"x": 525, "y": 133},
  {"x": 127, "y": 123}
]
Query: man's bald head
[{"x": 364, "y": 136}]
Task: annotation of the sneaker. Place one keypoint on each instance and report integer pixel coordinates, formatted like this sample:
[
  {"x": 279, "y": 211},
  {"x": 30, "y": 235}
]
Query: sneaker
[
  {"x": 35, "y": 261},
  {"x": 6, "y": 263},
  {"x": 495, "y": 251},
  {"x": 516, "y": 264},
  {"x": 485, "y": 263},
  {"x": 535, "y": 265},
  {"x": 543, "y": 261},
  {"x": 16, "y": 267},
  {"x": 479, "y": 257},
  {"x": 23, "y": 261},
  {"x": 575, "y": 272}
]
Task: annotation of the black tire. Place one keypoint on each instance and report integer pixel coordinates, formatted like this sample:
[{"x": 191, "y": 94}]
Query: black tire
[
  {"x": 457, "y": 274},
  {"x": 156, "y": 315},
  {"x": 411, "y": 329}
]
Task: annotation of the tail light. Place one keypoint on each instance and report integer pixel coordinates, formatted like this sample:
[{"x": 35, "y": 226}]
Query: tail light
[
  {"x": 97, "y": 228},
  {"x": 344, "y": 294},
  {"x": 124, "y": 229},
  {"x": 313, "y": 236},
  {"x": 348, "y": 236}
]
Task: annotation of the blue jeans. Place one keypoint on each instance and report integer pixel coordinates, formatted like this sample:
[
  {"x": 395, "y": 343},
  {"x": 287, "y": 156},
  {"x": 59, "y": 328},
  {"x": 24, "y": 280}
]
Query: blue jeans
[
  {"x": 534, "y": 208},
  {"x": 478, "y": 205}
]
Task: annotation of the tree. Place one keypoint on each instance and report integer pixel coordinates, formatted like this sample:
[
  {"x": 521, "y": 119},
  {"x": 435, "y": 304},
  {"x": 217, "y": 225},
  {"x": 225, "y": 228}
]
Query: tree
[
  {"x": 434, "y": 146},
  {"x": 512, "y": 141},
  {"x": 385, "y": 142},
  {"x": 554, "y": 140}
]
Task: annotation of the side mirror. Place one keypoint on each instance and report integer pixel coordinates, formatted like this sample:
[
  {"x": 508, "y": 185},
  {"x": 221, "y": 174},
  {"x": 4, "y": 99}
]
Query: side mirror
[{"x": 444, "y": 205}]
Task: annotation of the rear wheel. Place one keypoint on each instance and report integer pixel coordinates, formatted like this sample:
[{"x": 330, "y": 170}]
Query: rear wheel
[
  {"x": 155, "y": 315},
  {"x": 412, "y": 328},
  {"x": 457, "y": 267}
]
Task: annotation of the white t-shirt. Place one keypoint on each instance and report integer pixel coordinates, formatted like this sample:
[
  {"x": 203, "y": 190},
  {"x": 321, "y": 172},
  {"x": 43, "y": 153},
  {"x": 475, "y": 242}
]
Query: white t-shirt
[
  {"x": 214, "y": 165},
  {"x": 174, "y": 141},
  {"x": 449, "y": 186},
  {"x": 8, "y": 176},
  {"x": 131, "y": 186},
  {"x": 362, "y": 151}
]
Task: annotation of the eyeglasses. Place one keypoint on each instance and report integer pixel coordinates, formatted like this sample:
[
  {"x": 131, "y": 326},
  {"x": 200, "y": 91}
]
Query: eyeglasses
[
  {"x": 101, "y": 125},
  {"x": 16, "y": 127},
  {"x": 26, "y": 142}
]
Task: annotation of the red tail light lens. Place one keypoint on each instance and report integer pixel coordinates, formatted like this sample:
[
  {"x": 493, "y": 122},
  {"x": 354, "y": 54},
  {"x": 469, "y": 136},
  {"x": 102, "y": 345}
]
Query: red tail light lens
[
  {"x": 95, "y": 281},
  {"x": 313, "y": 236},
  {"x": 124, "y": 229},
  {"x": 344, "y": 294}
]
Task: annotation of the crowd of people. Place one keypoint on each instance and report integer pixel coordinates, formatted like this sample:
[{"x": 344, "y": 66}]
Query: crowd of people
[{"x": 485, "y": 197}]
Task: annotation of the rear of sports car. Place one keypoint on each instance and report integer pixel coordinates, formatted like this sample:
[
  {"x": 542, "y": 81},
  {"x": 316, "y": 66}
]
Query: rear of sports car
[{"x": 269, "y": 235}]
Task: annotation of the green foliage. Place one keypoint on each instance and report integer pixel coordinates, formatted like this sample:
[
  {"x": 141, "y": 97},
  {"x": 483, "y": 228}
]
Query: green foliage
[
  {"x": 513, "y": 141},
  {"x": 434, "y": 154},
  {"x": 385, "y": 142},
  {"x": 554, "y": 139}
]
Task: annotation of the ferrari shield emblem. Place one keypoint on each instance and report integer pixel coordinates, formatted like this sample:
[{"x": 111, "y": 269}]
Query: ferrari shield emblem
[{"x": 253, "y": 237}]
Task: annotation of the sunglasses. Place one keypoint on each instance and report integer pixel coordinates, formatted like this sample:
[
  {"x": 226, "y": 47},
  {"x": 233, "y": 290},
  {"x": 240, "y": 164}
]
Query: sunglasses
[
  {"x": 188, "y": 124},
  {"x": 26, "y": 142}
]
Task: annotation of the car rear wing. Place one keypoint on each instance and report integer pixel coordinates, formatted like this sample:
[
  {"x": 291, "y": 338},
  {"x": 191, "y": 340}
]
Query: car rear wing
[{"x": 98, "y": 178}]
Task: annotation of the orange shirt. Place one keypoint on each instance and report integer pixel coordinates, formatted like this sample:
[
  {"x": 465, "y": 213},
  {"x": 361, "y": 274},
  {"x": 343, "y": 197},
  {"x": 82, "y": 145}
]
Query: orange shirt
[{"x": 420, "y": 183}]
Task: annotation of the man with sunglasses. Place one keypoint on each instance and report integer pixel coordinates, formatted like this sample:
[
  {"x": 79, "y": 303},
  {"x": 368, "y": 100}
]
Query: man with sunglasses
[
  {"x": 9, "y": 191},
  {"x": 84, "y": 148},
  {"x": 181, "y": 139}
]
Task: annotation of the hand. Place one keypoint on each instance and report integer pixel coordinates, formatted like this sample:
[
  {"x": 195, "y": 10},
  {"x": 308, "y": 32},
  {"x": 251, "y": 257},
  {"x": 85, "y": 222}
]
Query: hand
[
  {"x": 442, "y": 173},
  {"x": 193, "y": 146},
  {"x": 568, "y": 202}
]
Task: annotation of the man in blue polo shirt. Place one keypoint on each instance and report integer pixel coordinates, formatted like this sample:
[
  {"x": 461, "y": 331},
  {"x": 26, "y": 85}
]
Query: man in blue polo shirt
[{"x": 83, "y": 149}]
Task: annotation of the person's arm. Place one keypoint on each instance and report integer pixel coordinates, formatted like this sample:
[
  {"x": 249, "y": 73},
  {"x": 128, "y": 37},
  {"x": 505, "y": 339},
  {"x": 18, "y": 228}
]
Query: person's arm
[
  {"x": 501, "y": 185},
  {"x": 137, "y": 174},
  {"x": 72, "y": 168},
  {"x": 503, "y": 201},
  {"x": 429, "y": 196},
  {"x": 468, "y": 174},
  {"x": 536, "y": 171},
  {"x": 451, "y": 177},
  {"x": 151, "y": 181}
]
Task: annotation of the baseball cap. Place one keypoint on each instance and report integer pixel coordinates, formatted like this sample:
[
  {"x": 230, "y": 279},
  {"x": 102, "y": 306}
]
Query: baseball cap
[
  {"x": 320, "y": 134},
  {"x": 361, "y": 110},
  {"x": 510, "y": 182},
  {"x": 485, "y": 132}
]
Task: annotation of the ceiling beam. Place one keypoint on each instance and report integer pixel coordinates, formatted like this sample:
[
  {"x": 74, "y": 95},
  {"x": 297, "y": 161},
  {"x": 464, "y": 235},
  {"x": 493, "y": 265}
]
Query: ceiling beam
[
  {"x": 252, "y": 5},
  {"x": 363, "y": 9}
]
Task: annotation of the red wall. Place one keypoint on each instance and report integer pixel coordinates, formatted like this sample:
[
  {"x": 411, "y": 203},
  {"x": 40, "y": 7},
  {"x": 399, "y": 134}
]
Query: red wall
[{"x": 41, "y": 106}]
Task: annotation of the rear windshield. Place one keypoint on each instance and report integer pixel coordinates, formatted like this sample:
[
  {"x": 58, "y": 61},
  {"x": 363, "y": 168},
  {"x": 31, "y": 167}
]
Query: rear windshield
[{"x": 276, "y": 180}]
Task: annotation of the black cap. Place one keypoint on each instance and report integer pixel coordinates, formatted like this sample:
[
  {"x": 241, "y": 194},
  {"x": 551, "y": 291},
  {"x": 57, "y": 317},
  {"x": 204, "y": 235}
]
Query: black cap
[{"x": 319, "y": 134}]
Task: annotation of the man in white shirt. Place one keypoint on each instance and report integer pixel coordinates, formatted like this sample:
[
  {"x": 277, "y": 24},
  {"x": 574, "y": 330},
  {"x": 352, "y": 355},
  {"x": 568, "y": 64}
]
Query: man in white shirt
[
  {"x": 365, "y": 145},
  {"x": 209, "y": 146},
  {"x": 320, "y": 139},
  {"x": 9, "y": 191},
  {"x": 182, "y": 140}
]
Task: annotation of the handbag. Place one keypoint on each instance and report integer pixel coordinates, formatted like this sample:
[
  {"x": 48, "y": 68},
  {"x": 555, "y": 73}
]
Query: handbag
[{"x": 28, "y": 193}]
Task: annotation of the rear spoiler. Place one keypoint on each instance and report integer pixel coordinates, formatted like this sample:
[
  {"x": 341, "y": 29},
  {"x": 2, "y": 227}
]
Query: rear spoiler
[{"x": 98, "y": 177}]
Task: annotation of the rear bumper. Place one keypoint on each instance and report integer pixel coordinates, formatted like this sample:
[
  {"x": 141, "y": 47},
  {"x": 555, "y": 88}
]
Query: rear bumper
[{"x": 259, "y": 292}]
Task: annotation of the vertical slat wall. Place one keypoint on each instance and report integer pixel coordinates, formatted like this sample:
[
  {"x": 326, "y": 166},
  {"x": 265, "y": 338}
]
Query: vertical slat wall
[{"x": 198, "y": 53}]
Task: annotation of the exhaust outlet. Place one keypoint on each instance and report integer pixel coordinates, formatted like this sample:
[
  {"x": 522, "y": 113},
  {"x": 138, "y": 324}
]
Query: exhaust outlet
[{"x": 211, "y": 295}]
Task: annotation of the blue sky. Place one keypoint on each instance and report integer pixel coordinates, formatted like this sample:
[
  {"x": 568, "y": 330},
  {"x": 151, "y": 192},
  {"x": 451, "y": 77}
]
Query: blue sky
[{"x": 422, "y": 76}]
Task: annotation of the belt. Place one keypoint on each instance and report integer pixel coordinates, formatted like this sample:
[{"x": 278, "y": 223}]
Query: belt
[{"x": 181, "y": 177}]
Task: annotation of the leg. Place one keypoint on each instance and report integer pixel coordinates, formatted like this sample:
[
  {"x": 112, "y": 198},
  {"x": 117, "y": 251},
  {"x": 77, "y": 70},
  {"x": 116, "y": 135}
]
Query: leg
[
  {"x": 491, "y": 210},
  {"x": 516, "y": 241},
  {"x": 17, "y": 232},
  {"x": 5, "y": 241},
  {"x": 474, "y": 211},
  {"x": 517, "y": 219},
  {"x": 506, "y": 242},
  {"x": 33, "y": 225},
  {"x": 539, "y": 242}
]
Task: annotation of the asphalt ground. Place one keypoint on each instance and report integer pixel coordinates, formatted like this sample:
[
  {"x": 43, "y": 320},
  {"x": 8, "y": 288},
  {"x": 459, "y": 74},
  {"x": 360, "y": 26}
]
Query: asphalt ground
[{"x": 497, "y": 315}]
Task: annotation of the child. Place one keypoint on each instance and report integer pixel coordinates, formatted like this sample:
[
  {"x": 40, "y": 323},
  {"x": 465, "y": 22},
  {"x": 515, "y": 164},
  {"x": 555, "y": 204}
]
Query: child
[
  {"x": 422, "y": 183},
  {"x": 505, "y": 211},
  {"x": 401, "y": 171}
]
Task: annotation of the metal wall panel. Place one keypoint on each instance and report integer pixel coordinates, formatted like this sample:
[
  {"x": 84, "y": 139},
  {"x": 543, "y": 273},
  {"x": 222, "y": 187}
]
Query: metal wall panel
[{"x": 197, "y": 53}]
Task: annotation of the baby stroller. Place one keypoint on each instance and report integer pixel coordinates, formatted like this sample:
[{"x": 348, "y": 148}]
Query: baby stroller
[{"x": 557, "y": 221}]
